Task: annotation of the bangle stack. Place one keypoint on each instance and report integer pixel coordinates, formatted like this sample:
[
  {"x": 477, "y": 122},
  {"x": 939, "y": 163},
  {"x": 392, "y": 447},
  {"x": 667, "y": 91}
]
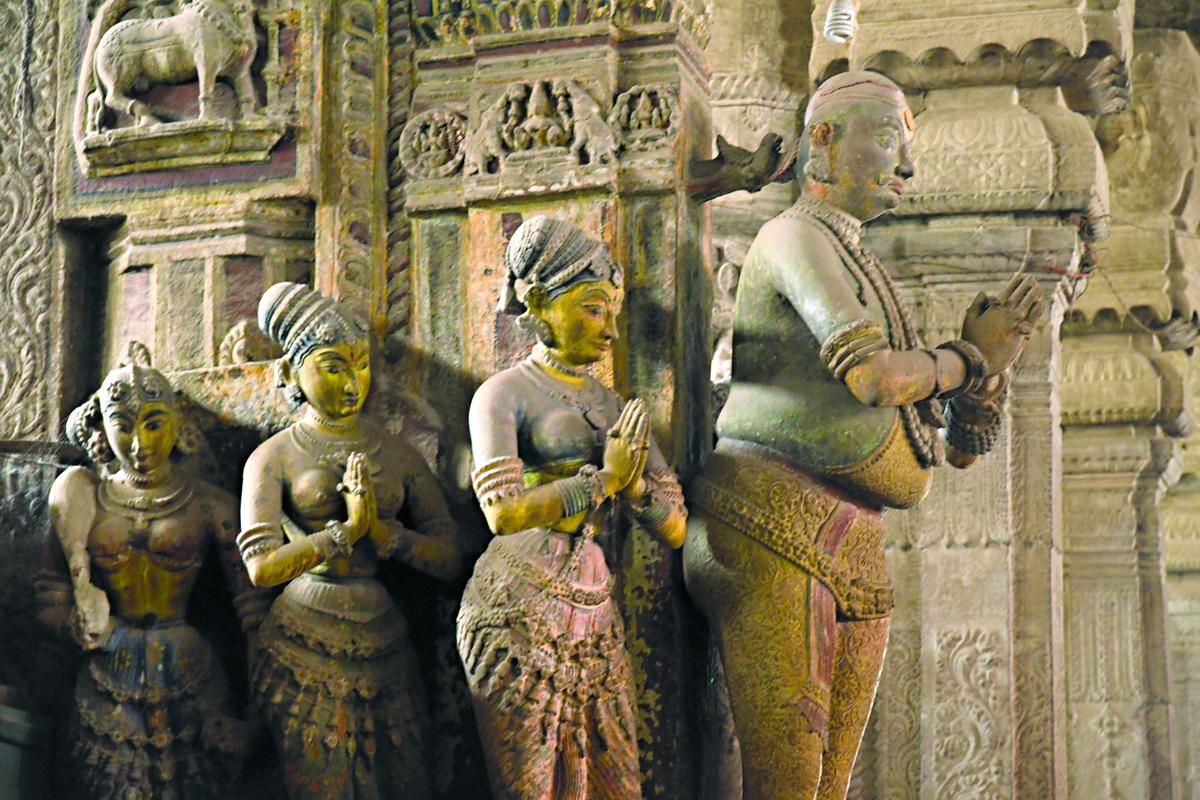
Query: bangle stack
[
  {"x": 581, "y": 492},
  {"x": 258, "y": 539},
  {"x": 333, "y": 541},
  {"x": 974, "y": 364},
  {"x": 974, "y": 419}
]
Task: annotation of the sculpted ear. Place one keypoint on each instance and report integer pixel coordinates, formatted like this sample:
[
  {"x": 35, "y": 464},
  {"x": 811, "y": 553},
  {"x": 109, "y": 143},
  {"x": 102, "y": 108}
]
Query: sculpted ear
[{"x": 821, "y": 135}]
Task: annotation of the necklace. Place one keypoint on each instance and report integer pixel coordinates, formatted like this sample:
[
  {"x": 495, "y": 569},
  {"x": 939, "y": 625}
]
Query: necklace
[
  {"x": 333, "y": 453},
  {"x": 585, "y": 404},
  {"x": 868, "y": 270},
  {"x": 143, "y": 505},
  {"x": 541, "y": 354}
]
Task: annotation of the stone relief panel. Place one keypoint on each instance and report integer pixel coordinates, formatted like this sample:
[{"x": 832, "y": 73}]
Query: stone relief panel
[
  {"x": 26, "y": 225},
  {"x": 1104, "y": 643},
  {"x": 147, "y": 97}
]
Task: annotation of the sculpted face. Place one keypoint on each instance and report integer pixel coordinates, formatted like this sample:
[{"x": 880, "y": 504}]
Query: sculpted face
[
  {"x": 866, "y": 143},
  {"x": 335, "y": 378},
  {"x": 582, "y": 320},
  {"x": 142, "y": 438}
]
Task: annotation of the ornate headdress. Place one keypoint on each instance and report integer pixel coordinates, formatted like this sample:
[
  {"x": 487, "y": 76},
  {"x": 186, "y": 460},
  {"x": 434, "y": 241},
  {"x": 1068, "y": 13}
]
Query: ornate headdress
[
  {"x": 556, "y": 256},
  {"x": 300, "y": 320},
  {"x": 133, "y": 383}
]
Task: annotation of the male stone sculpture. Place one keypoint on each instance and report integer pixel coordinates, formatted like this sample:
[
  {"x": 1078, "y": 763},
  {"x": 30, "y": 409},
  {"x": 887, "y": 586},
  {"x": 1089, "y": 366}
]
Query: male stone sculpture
[{"x": 833, "y": 415}]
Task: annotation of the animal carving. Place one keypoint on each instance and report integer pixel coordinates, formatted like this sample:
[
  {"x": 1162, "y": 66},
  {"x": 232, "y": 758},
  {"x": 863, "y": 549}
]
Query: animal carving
[
  {"x": 593, "y": 136},
  {"x": 206, "y": 40}
]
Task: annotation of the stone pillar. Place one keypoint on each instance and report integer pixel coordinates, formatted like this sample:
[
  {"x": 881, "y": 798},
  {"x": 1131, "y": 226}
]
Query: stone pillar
[
  {"x": 1117, "y": 464},
  {"x": 1009, "y": 176},
  {"x": 1128, "y": 404},
  {"x": 624, "y": 94}
]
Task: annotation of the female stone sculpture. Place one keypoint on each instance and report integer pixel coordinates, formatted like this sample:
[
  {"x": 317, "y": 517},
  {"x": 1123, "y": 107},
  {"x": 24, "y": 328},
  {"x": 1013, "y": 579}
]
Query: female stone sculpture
[
  {"x": 556, "y": 456},
  {"x": 832, "y": 416},
  {"x": 151, "y": 715},
  {"x": 323, "y": 500}
]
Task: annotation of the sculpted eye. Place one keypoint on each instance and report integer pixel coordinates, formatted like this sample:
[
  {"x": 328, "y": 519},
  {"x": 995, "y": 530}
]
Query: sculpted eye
[{"x": 887, "y": 139}]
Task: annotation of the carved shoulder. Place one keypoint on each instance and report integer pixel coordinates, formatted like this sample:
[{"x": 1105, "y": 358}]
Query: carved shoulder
[
  {"x": 73, "y": 492},
  {"x": 790, "y": 244}
]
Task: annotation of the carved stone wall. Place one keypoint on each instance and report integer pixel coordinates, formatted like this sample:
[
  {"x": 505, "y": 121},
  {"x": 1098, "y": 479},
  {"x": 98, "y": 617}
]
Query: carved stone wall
[{"x": 28, "y": 33}]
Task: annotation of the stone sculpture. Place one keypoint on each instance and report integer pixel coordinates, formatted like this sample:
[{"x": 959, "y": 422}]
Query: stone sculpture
[
  {"x": 151, "y": 715},
  {"x": 206, "y": 40},
  {"x": 324, "y": 500},
  {"x": 557, "y": 457},
  {"x": 833, "y": 415}
]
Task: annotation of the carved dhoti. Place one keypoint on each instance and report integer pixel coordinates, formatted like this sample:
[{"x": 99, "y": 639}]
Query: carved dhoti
[
  {"x": 820, "y": 529},
  {"x": 544, "y": 649},
  {"x": 337, "y": 681},
  {"x": 791, "y": 576}
]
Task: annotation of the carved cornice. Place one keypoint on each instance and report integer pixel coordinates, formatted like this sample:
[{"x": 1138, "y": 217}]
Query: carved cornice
[
  {"x": 936, "y": 43},
  {"x": 999, "y": 149},
  {"x": 1181, "y": 14},
  {"x": 1115, "y": 379},
  {"x": 441, "y": 23}
]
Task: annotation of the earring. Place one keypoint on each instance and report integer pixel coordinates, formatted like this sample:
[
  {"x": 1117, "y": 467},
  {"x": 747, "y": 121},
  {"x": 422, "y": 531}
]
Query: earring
[
  {"x": 538, "y": 327},
  {"x": 294, "y": 393}
]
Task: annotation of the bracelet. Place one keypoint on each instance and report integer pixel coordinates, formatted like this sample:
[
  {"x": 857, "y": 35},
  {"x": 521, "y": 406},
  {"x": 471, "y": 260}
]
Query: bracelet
[
  {"x": 849, "y": 346},
  {"x": 583, "y": 491},
  {"x": 498, "y": 479},
  {"x": 389, "y": 548},
  {"x": 974, "y": 365},
  {"x": 650, "y": 513},
  {"x": 260, "y": 538},
  {"x": 332, "y": 541}
]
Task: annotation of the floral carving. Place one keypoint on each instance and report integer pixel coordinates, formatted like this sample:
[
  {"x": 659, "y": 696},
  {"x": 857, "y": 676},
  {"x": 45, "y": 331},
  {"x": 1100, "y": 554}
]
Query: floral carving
[
  {"x": 970, "y": 732},
  {"x": 26, "y": 128},
  {"x": 431, "y": 145}
]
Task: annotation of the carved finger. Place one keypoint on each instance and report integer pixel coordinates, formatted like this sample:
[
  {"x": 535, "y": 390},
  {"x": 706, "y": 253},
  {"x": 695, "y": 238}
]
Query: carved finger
[
  {"x": 637, "y": 410},
  {"x": 1014, "y": 284},
  {"x": 615, "y": 431},
  {"x": 642, "y": 432},
  {"x": 1028, "y": 290},
  {"x": 1029, "y": 300}
]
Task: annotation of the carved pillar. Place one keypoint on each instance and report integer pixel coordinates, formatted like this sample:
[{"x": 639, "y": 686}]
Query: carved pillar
[
  {"x": 1009, "y": 175},
  {"x": 1117, "y": 462},
  {"x": 1128, "y": 402},
  {"x": 587, "y": 115}
]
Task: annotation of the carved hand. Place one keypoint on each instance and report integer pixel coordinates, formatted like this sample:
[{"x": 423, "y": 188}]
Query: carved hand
[
  {"x": 1000, "y": 327},
  {"x": 91, "y": 618},
  {"x": 625, "y": 449},
  {"x": 359, "y": 492}
]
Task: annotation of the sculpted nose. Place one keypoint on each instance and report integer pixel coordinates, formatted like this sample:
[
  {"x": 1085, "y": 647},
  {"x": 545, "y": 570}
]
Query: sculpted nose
[{"x": 905, "y": 168}]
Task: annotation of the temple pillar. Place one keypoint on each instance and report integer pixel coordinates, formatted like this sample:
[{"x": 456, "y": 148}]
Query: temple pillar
[{"x": 1009, "y": 176}]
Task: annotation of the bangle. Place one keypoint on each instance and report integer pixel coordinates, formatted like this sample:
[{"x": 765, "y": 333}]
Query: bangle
[
  {"x": 581, "y": 492},
  {"x": 389, "y": 547},
  {"x": 849, "y": 346},
  {"x": 258, "y": 539},
  {"x": 652, "y": 511},
  {"x": 332, "y": 541},
  {"x": 974, "y": 365}
]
